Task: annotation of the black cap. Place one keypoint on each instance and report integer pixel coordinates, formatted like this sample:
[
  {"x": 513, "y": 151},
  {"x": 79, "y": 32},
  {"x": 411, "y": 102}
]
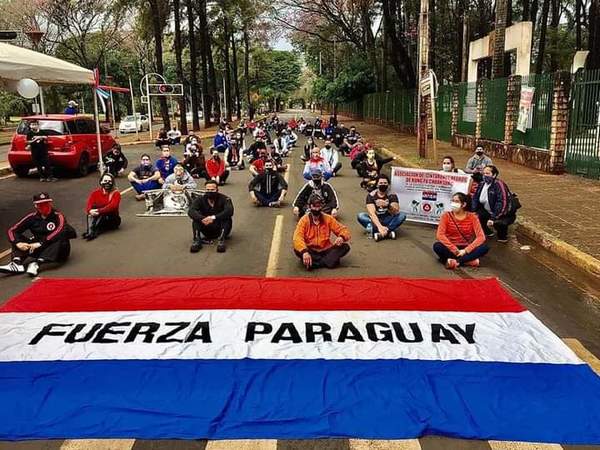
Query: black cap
[{"x": 42, "y": 197}]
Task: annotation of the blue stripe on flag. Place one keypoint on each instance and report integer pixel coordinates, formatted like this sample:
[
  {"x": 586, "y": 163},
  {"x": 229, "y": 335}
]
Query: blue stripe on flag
[{"x": 227, "y": 399}]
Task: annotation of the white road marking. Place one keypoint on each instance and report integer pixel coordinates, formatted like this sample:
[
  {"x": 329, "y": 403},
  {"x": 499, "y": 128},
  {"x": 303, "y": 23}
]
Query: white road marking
[
  {"x": 404, "y": 444},
  {"x": 125, "y": 191},
  {"x": 275, "y": 247},
  {"x": 251, "y": 444},
  {"x": 7, "y": 176},
  {"x": 98, "y": 444},
  {"x": 510, "y": 445}
]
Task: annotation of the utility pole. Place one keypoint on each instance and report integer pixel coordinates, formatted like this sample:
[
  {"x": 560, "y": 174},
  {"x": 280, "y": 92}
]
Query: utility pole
[{"x": 423, "y": 68}]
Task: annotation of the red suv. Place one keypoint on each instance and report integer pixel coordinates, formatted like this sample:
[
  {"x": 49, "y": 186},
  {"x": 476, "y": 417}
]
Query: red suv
[{"x": 71, "y": 143}]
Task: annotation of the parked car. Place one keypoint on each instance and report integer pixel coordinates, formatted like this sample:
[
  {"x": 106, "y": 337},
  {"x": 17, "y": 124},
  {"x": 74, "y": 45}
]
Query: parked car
[
  {"x": 71, "y": 140},
  {"x": 129, "y": 123}
]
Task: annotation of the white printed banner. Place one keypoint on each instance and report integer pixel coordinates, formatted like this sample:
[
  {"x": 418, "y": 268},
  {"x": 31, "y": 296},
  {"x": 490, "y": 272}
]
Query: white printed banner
[{"x": 425, "y": 194}]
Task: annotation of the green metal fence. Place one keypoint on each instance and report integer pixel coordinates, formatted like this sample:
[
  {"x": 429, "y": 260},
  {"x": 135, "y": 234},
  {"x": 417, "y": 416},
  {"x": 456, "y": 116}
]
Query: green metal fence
[
  {"x": 443, "y": 113},
  {"x": 537, "y": 133},
  {"x": 467, "y": 108},
  {"x": 493, "y": 111},
  {"x": 393, "y": 107},
  {"x": 583, "y": 143}
]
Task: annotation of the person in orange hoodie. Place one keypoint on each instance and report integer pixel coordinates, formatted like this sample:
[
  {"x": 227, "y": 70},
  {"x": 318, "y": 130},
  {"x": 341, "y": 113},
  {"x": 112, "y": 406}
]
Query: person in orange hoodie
[
  {"x": 461, "y": 240},
  {"x": 312, "y": 237}
]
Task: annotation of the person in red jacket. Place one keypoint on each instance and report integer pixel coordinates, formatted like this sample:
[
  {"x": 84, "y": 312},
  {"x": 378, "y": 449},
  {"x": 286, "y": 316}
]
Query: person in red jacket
[
  {"x": 103, "y": 208},
  {"x": 216, "y": 168}
]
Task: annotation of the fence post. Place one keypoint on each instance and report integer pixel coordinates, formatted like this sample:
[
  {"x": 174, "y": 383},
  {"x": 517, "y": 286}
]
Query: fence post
[
  {"x": 480, "y": 106},
  {"x": 560, "y": 122},
  {"x": 513, "y": 98},
  {"x": 454, "y": 106}
]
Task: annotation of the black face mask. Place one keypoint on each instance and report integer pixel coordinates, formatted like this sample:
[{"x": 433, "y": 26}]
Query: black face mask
[
  {"x": 315, "y": 212},
  {"x": 382, "y": 187},
  {"x": 108, "y": 185},
  {"x": 328, "y": 147},
  {"x": 317, "y": 181},
  {"x": 211, "y": 195}
]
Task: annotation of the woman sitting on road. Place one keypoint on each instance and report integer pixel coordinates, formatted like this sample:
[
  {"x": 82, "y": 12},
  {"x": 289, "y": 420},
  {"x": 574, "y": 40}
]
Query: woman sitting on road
[
  {"x": 494, "y": 204},
  {"x": 460, "y": 238},
  {"x": 103, "y": 208}
]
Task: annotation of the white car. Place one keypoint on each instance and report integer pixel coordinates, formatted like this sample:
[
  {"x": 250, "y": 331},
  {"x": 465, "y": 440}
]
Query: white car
[{"x": 128, "y": 124}]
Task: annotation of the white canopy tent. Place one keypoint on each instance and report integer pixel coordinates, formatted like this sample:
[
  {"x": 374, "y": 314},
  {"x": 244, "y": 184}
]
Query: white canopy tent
[{"x": 17, "y": 63}]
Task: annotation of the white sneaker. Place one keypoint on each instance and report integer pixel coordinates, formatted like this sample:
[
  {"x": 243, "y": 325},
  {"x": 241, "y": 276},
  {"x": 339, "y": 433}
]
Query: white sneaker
[
  {"x": 376, "y": 237},
  {"x": 12, "y": 267},
  {"x": 33, "y": 269},
  {"x": 392, "y": 235}
]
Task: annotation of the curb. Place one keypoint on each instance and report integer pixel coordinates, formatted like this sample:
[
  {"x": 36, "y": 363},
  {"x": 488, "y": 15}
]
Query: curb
[
  {"x": 5, "y": 171},
  {"x": 527, "y": 228}
]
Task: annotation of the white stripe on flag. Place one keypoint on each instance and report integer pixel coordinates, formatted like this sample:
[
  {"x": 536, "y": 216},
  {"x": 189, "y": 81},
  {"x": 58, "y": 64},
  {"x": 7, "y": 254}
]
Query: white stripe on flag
[{"x": 263, "y": 334}]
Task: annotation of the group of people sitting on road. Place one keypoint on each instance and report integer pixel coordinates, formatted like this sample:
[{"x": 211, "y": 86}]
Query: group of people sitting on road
[{"x": 320, "y": 239}]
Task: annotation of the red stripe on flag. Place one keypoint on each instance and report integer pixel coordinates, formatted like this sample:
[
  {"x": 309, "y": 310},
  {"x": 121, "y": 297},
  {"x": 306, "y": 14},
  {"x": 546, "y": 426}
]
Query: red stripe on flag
[{"x": 300, "y": 294}]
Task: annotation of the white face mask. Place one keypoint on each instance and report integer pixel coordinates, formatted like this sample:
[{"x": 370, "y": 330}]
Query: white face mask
[
  {"x": 447, "y": 167},
  {"x": 455, "y": 206}
]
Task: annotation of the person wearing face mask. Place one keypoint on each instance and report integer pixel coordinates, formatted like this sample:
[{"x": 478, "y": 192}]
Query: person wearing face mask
[
  {"x": 211, "y": 216},
  {"x": 233, "y": 156},
  {"x": 166, "y": 164},
  {"x": 161, "y": 138},
  {"x": 180, "y": 180},
  {"x": 310, "y": 144},
  {"x": 40, "y": 237},
  {"x": 494, "y": 204},
  {"x": 195, "y": 163},
  {"x": 103, "y": 208},
  {"x": 383, "y": 216},
  {"x": 460, "y": 238},
  {"x": 220, "y": 142},
  {"x": 370, "y": 168},
  {"x": 115, "y": 162},
  {"x": 449, "y": 166},
  {"x": 331, "y": 155},
  {"x": 312, "y": 237},
  {"x": 478, "y": 161},
  {"x": 190, "y": 143},
  {"x": 316, "y": 185},
  {"x": 316, "y": 161},
  {"x": 268, "y": 188},
  {"x": 216, "y": 168},
  {"x": 144, "y": 177}
]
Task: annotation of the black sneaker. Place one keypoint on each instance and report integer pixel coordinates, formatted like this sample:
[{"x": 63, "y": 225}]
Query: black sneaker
[
  {"x": 221, "y": 248},
  {"x": 196, "y": 246}
]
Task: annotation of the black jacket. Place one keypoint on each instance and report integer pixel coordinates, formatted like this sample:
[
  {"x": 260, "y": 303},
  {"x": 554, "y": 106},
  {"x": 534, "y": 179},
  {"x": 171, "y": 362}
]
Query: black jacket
[
  {"x": 115, "y": 162},
  {"x": 327, "y": 192},
  {"x": 267, "y": 183},
  {"x": 200, "y": 208},
  {"x": 45, "y": 231}
]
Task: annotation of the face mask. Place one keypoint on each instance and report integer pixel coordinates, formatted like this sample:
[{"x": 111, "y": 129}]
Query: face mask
[
  {"x": 328, "y": 147},
  {"x": 488, "y": 179},
  {"x": 479, "y": 153},
  {"x": 317, "y": 181},
  {"x": 215, "y": 156},
  {"x": 370, "y": 156},
  {"x": 44, "y": 208},
  {"x": 455, "y": 206},
  {"x": 447, "y": 167},
  {"x": 108, "y": 185},
  {"x": 146, "y": 163},
  {"x": 211, "y": 195},
  {"x": 268, "y": 169},
  {"x": 315, "y": 212},
  {"x": 382, "y": 187}
]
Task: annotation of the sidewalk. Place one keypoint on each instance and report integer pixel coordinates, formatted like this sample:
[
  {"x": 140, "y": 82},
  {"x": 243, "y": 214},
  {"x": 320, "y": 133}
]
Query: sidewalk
[{"x": 563, "y": 207}]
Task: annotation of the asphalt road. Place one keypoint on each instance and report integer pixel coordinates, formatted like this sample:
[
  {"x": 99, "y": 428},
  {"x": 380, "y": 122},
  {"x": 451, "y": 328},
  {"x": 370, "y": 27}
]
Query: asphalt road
[{"x": 566, "y": 301}]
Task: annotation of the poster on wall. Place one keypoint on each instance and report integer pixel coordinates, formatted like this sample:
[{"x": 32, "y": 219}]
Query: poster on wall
[
  {"x": 425, "y": 194},
  {"x": 525, "y": 112}
]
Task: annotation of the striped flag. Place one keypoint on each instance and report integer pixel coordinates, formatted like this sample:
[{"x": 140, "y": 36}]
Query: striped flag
[{"x": 253, "y": 358}]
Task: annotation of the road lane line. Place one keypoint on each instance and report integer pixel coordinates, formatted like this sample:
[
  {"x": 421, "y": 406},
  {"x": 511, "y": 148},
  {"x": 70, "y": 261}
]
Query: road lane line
[
  {"x": 7, "y": 176},
  {"x": 251, "y": 444},
  {"x": 583, "y": 353},
  {"x": 275, "y": 247},
  {"x": 98, "y": 444},
  {"x": 510, "y": 445},
  {"x": 125, "y": 191},
  {"x": 403, "y": 444}
]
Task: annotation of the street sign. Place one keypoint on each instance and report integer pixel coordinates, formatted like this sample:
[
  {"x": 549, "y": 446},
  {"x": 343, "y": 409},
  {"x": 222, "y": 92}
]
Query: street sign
[{"x": 165, "y": 89}]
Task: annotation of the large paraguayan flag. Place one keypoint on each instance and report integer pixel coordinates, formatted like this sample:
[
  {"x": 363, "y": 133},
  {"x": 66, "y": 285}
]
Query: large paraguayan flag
[{"x": 233, "y": 357}]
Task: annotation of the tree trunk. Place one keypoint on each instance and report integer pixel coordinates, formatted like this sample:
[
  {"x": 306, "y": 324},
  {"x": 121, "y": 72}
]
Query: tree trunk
[
  {"x": 214, "y": 91},
  {"x": 157, "y": 30},
  {"x": 247, "y": 72},
  {"x": 499, "y": 39},
  {"x": 399, "y": 55},
  {"x": 207, "y": 100},
  {"x": 577, "y": 24},
  {"x": 526, "y": 9},
  {"x": 182, "y": 99},
  {"x": 554, "y": 36},
  {"x": 593, "y": 59},
  {"x": 193, "y": 65},
  {"x": 539, "y": 64},
  {"x": 227, "y": 72},
  {"x": 236, "y": 81}
]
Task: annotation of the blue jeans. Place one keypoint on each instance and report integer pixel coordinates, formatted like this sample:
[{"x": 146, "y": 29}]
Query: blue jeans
[
  {"x": 444, "y": 253},
  {"x": 146, "y": 186},
  {"x": 265, "y": 199},
  {"x": 392, "y": 222}
]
